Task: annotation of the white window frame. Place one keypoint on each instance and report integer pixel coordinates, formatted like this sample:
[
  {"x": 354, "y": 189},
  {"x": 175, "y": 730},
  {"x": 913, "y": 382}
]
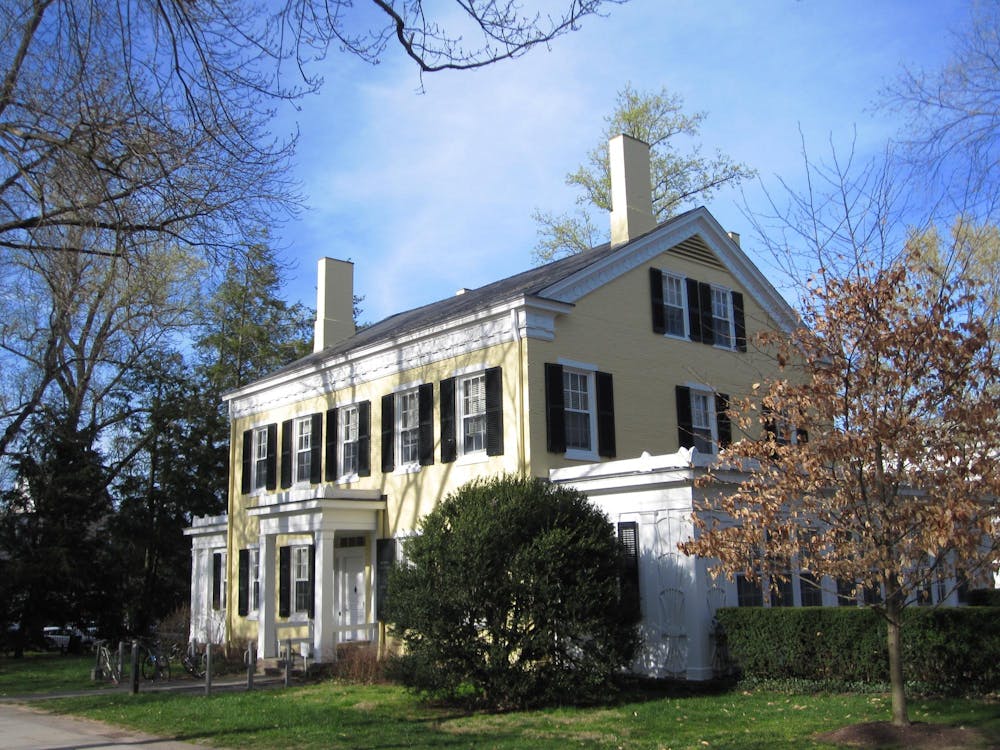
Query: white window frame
[
  {"x": 722, "y": 296},
  {"x": 669, "y": 303},
  {"x": 569, "y": 371},
  {"x": 348, "y": 431},
  {"x": 407, "y": 432},
  {"x": 253, "y": 560},
  {"x": 467, "y": 413},
  {"x": 300, "y": 574},
  {"x": 699, "y": 428},
  {"x": 302, "y": 437},
  {"x": 259, "y": 455}
]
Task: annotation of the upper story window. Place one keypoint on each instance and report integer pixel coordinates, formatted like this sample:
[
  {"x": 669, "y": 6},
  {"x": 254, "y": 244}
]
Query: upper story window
[
  {"x": 472, "y": 415},
  {"x": 687, "y": 308},
  {"x": 674, "y": 306},
  {"x": 260, "y": 451},
  {"x": 348, "y": 447},
  {"x": 408, "y": 428},
  {"x": 722, "y": 317},
  {"x": 702, "y": 419},
  {"x": 303, "y": 449},
  {"x": 259, "y": 458},
  {"x": 579, "y": 411},
  {"x": 348, "y": 451}
]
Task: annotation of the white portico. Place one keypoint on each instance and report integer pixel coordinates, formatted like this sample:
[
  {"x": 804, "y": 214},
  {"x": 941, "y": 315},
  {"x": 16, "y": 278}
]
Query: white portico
[{"x": 338, "y": 529}]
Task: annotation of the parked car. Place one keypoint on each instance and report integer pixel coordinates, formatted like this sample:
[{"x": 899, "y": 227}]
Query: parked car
[{"x": 63, "y": 638}]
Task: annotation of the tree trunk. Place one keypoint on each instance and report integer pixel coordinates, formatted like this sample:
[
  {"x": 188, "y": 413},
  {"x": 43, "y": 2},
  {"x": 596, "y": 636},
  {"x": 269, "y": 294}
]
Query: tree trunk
[{"x": 893, "y": 611}]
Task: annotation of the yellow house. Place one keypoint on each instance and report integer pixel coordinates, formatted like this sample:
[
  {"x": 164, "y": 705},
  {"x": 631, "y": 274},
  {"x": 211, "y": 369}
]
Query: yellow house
[{"x": 629, "y": 349}]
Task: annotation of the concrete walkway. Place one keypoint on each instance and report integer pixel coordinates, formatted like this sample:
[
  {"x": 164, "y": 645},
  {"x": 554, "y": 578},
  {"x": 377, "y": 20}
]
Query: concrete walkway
[{"x": 26, "y": 728}]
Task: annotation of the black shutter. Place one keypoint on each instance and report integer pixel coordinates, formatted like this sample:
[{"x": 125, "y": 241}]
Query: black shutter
[
  {"x": 331, "y": 445},
  {"x": 388, "y": 431},
  {"x": 739, "y": 322},
  {"x": 705, "y": 310},
  {"x": 286, "y": 454},
  {"x": 724, "y": 427},
  {"x": 769, "y": 424},
  {"x": 247, "y": 479},
  {"x": 449, "y": 447},
  {"x": 494, "y": 412},
  {"x": 365, "y": 439},
  {"x": 243, "y": 594},
  {"x": 425, "y": 411},
  {"x": 216, "y": 580},
  {"x": 605, "y": 415},
  {"x": 555, "y": 419},
  {"x": 801, "y": 435},
  {"x": 386, "y": 558},
  {"x": 628, "y": 538},
  {"x": 316, "y": 450},
  {"x": 312, "y": 581},
  {"x": 284, "y": 581},
  {"x": 271, "y": 481},
  {"x": 685, "y": 429},
  {"x": 694, "y": 309},
  {"x": 656, "y": 300}
]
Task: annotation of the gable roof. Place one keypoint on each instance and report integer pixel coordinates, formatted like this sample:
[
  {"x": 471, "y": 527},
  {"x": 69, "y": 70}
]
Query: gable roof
[{"x": 567, "y": 279}]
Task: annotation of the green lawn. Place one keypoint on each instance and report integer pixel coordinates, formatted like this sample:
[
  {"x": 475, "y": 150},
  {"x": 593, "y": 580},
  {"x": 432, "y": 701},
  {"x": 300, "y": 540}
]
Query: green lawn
[{"x": 338, "y": 715}]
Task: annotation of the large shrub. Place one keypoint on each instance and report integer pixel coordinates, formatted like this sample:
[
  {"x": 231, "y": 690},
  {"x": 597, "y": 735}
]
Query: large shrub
[
  {"x": 509, "y": 597},
  {"x": 947, "y": 650}
]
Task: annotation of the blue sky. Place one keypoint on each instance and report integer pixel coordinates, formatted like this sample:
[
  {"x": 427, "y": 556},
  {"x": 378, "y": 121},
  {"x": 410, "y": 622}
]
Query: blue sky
[{"x": 431, "y": 192}]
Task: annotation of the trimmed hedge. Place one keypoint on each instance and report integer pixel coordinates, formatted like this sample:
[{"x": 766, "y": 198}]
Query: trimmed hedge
[{"x": 953, "y": 650}]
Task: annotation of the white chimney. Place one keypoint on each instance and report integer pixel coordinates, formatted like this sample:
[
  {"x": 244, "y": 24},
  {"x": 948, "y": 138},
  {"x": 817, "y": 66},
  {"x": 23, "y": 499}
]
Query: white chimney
[
  {"x": 631, "y": 191},
  {"x": 334, "y": 303}
]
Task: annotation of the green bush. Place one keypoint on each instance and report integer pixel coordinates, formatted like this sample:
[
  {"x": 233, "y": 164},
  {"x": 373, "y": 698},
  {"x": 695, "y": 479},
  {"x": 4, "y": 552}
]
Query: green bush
[
  {"x": 954, "y": 650},
  {"x": 510, "y": 598}
]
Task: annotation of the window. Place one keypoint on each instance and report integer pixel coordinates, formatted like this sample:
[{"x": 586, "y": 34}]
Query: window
[
  {"x": 301, "y": 581},
  {"x": 472, "y": 413},
  {"x": 748, "y": 593},
  {"x": 577, "y": 400},
  {"x": 781, "y": 591},
  {"x": 579, "y": 411},
  {"x": 219, "y": 582},
  {"x": 260, "y": 456},
  {"x": 408, "y": 427},
  {"x": 674, "y": 308},
  {"x": 722, "y": 319},
  {"x": 702, "y": 419},
  {"x": 810, "y": 593},
  {"x": 254, "y": 569},
  {"x": 303, "y": 449},
  {"x": 349, "y": 446}
]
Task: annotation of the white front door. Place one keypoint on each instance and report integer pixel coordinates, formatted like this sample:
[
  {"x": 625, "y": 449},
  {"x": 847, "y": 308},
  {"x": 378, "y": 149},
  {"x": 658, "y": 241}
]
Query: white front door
[{"x": 352, "y": 606}]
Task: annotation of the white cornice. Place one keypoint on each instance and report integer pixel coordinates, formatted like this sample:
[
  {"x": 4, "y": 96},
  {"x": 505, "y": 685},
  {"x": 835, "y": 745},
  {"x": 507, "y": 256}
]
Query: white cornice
[
  {"x": 698, "y": 221},
  {"x": 535, "y": 318}
]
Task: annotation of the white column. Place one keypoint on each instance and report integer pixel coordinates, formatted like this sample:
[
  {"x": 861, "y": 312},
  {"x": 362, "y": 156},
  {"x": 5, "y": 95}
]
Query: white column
[
  {"x": 324, "y": 622},
  {"x": 195, "y": 582},
  {"x": 266, "y": 631}
]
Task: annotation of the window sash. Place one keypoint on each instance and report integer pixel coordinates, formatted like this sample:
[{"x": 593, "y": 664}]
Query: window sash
[
  {"x": 701, "y": 421},
  {"x": 578, "y": 410},
  {"x": 349, "y": 441},
  {"x": 408, "y": 423},
  {"x": 472, "y": 413},
  {"x": 674, "y": 310},
  {"x": 260, "y": 458},
  {"x": 722, "y": 314},
  {"x": 254, "y": 563},
  {"x": 300, "y": 578},
  {"x": 303, "y": 448}
]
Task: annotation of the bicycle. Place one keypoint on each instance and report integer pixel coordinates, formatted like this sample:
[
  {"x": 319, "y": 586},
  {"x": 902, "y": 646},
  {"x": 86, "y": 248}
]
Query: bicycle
[
  {"x": 191, "y": 659},
  {"x": 107, "y": 662},
  {"x": 153, "y": 665}
]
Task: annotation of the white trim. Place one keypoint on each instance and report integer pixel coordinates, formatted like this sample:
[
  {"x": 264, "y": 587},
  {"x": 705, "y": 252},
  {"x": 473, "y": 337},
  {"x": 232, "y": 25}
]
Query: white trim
[{"x": 575, "y": 365}]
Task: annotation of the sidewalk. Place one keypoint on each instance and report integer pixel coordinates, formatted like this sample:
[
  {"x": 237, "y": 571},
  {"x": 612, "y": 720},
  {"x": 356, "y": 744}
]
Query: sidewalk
[{"x": 27, "y": 728}]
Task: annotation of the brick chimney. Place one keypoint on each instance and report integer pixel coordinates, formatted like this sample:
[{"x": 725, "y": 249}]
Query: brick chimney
[
  {"x": 334, "y": 303},
  {"x": 631, "y": 191}
]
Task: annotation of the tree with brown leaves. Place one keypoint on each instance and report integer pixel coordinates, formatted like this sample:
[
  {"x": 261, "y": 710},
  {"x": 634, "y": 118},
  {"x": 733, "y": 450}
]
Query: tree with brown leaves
[{"x": 874, "y": 465}]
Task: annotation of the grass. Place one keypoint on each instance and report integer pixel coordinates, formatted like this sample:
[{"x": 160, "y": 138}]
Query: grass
[{"x": 338, "y": 715}]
